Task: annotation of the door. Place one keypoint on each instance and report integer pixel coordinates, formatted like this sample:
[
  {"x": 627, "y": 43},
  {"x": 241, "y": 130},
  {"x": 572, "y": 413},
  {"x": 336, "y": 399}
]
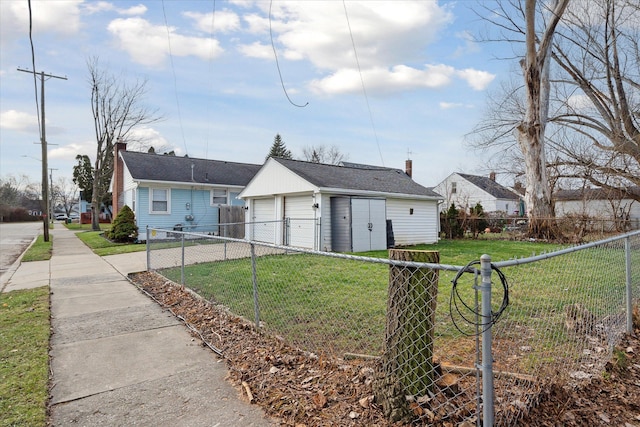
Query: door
[
  {"x": 368, "y": 224},
  {"x": 263, "y": 225},
  {"x": 300, "y": 231}
]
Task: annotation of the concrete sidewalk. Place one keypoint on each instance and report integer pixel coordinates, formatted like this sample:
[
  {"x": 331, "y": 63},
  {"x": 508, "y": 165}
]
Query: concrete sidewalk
[{"x": 117, "y": 358}]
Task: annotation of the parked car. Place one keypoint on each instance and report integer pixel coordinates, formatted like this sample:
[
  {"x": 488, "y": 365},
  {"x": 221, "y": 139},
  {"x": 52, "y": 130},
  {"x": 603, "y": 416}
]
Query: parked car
[{"x": 61, "y": 216}]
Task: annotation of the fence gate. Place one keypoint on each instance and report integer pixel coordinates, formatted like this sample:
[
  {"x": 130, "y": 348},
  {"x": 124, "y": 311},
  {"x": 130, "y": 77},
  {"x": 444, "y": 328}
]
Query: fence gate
[{"x": 232, "y": 215}]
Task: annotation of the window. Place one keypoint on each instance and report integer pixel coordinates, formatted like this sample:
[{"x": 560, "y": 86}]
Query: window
[
  {"x": 159, "y": 200},
  {"x": 454, "y": 186},
  {"x": 219, "y": 197}
]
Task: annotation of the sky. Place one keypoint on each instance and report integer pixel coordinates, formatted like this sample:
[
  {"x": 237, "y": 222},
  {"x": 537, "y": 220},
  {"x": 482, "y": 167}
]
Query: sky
[{"x": 383, "y": 81}]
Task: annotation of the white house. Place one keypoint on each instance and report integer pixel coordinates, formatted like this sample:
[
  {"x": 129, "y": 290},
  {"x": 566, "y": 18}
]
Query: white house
[
  {"x": 465, "y": 191},
  {"x": 600, "y": 204},
  {"x": 344, "y": 208}
]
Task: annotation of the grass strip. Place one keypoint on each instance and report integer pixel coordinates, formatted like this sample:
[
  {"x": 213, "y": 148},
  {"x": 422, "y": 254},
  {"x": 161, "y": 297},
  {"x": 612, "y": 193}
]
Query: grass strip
[
  {"x": 40, "y": 250},
  {"x": 24, "y": 360}
]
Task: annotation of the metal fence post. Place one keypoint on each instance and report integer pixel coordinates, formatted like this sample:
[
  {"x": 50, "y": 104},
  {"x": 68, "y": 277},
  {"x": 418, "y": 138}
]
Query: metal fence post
[
  {"x": 627, "y": 253},
  {"x": 256, "y": 306},
  {"x": 182, "y": 261},
  {"x": 148, "y": 250},
  {"x": 487, "y": 357}
]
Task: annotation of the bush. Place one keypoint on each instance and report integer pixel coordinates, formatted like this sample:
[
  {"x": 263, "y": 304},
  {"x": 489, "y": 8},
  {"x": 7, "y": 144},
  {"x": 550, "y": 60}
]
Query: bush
[{"x": 124, "y": 228}]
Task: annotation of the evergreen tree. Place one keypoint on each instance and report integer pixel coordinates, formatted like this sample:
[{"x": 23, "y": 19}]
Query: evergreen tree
[
  {"x": 124, "y": 228},
  {"x": 278, "y": 149}
]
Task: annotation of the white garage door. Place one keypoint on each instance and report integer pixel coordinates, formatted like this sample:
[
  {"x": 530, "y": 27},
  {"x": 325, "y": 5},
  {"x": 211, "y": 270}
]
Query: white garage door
[
  {"x": 264, "y": 226},
  {"x": 301, "y": 230}
]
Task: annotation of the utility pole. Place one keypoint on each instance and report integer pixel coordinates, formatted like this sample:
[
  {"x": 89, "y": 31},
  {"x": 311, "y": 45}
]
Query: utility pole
[{"x": 43, "y": 142}]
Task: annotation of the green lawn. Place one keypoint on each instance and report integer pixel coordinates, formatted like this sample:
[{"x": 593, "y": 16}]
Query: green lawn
[
  {"x": 102, "y": 246},
  {"x": 335, "y": 303},
  {"x": 24, "y": 359}
]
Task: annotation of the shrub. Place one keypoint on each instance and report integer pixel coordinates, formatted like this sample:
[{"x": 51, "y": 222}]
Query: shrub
[{"x": 124, "y": 228}]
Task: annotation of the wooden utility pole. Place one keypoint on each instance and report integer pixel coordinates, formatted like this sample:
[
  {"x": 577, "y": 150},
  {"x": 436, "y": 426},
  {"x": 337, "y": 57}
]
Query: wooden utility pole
[{"x": 43, "y": 143}]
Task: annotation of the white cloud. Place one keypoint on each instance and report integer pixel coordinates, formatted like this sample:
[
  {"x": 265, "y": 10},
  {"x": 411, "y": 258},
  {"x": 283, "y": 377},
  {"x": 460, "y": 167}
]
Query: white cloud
[
  {"x": 55, "y": 17},
  {"x": 477, "y": 79},
  {"x": 385, "y": 33},
  {"x": 145, "y": 137},
  {"x": 389, "y": 38},
  {"x": 257, "y": 50},
  {"x": 398, "y": 78},
  {"x": 223, "y": 21},
  {"x": 70, "y": 151},
  {"x": 19, "y": 121},
  {"x": 148, "y": 44},
  {"x": 104, "y": 6}
]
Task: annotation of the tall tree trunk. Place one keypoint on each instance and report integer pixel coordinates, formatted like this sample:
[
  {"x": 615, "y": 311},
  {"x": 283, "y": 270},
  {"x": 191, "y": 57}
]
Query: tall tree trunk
[{"x": 530, "y": 132}]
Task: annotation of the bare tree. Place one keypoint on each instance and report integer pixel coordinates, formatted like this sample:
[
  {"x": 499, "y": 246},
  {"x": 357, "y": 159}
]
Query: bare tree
[
  {"x": 117, "y": 109},
  {"x": 65, "y": 194},
  {"x": 598, "y": 50},
  {"x": 593, "y": 127},
  {"x": 330, "y": 155}
]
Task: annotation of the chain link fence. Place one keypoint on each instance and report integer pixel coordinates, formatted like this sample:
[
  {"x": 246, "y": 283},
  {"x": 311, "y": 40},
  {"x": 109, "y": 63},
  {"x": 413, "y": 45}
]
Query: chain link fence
[{"x": 450, "y": 344}]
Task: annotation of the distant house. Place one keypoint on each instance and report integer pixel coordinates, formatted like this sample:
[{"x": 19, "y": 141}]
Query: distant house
[
  {"x": 343, "y": 208},
  {"x": 465, "y": 191},
  {"x": 609, "y": 206},
  {"x": 179, "y": 192}
]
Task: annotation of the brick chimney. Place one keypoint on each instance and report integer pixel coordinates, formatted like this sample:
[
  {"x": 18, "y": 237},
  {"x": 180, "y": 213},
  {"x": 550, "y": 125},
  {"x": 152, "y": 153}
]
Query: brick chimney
[
  {"x": 492, "y": 176},
  {"x": 117, "y": 184},
  {"x": 408, "y": 167}
]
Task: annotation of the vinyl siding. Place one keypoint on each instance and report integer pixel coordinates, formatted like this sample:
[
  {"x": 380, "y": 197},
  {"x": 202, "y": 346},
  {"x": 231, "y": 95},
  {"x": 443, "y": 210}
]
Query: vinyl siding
[{"x": 411, "y": 229}]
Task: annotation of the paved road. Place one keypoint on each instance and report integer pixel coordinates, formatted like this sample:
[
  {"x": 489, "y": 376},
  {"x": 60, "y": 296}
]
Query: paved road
[{"x": 14, "y": 239}]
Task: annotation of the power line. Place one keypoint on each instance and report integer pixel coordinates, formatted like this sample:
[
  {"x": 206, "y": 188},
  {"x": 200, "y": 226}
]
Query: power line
[
  {"x": 364, "y": 90},
  {"x": 175, "y": 80},
  {"x": 33, "y": 64},
  {"x": 273, "y": 46}
]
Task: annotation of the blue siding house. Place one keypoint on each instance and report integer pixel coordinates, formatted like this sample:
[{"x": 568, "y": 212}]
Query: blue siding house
[{"x": 179, "y": 193}]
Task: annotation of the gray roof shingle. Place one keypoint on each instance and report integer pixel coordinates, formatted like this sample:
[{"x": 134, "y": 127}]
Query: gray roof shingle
[
  {"x": 157, "y": 167},
  {"x": 490, "y": 186},
  {"x": 357, "y": 177}
]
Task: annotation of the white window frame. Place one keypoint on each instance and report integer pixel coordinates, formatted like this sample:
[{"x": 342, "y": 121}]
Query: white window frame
[
  {"x": 167, "y": 192},
  {"x": 219, "y": 196}
]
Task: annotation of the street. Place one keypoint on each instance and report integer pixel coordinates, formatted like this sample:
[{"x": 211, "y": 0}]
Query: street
[{"x": 14, "y": 239}]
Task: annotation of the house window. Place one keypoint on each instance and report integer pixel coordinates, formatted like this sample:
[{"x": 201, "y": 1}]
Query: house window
[
  {"x": 219, "y": 197},
  {"x": 454, "y": 186},
  {"x": 160, "y": 200}
]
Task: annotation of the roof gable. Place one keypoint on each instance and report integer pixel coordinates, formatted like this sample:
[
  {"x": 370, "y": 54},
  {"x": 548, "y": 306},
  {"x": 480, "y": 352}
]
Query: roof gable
[
  {"x": 490, "y": 186},
  {"x": 164, "y": 168}
]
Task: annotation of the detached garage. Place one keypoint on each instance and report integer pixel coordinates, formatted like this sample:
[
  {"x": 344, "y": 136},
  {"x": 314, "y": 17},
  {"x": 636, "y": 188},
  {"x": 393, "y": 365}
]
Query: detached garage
[{"x": 345, "y": 208}]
